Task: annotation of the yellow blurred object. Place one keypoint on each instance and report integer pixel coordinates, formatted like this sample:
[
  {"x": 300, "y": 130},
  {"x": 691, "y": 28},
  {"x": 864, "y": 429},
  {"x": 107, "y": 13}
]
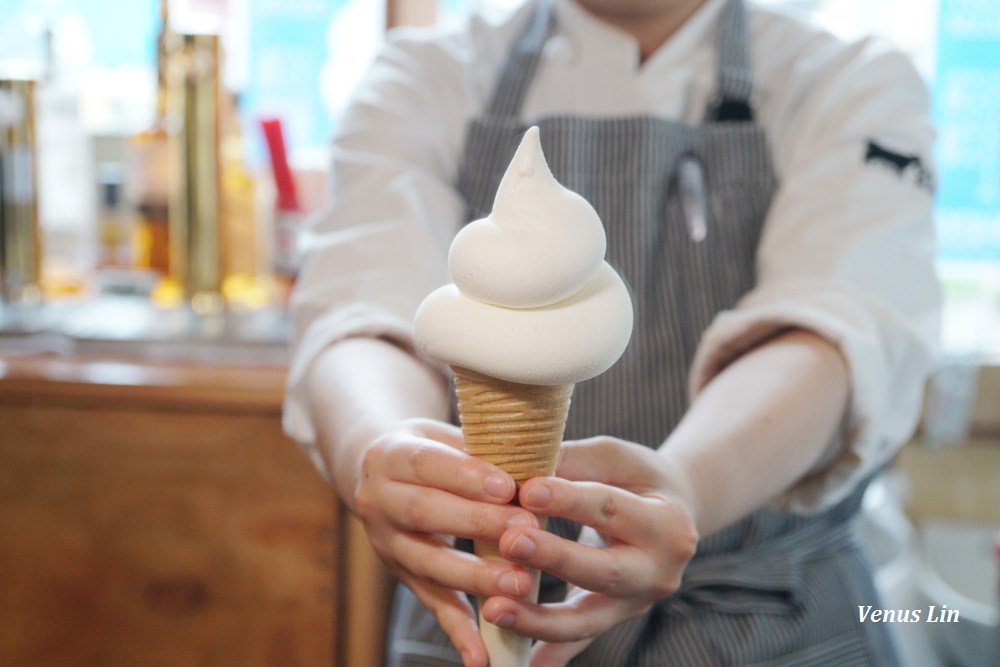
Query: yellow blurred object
[
  {"x": 60, "y": 280},
  {"x": 148, "y": 194},
  {"x": 142, "y": 241},
  {"x": 168, "y": 293},
  {"x": 248, "y": 291},
  {"x": 244, "y": 282}
]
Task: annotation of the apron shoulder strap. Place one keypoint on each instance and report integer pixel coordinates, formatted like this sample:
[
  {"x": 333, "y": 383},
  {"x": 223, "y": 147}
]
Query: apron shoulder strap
[
  {"x": 522, "y": 61},
  {"x": 735, "y": 80}
]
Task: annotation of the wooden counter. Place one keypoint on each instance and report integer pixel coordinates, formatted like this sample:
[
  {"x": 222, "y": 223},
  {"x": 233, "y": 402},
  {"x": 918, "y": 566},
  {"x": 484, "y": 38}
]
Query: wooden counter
[
  {"x": 156, "y": 515},
  {"x": 959, "y": 480}
]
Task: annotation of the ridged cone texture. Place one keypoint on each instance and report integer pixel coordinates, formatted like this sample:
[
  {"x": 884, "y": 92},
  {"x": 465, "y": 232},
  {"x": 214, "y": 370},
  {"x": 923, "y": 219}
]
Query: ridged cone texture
[{"x": 519, "y": 428}]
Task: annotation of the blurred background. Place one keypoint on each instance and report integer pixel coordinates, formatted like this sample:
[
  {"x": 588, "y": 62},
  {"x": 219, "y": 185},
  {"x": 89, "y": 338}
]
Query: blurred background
[{"x": 156, "y": 160}]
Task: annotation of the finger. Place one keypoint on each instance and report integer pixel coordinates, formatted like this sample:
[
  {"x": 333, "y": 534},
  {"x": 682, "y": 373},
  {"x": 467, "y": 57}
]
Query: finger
[
  {"x": 552, "y": 654},
  {"x": 575, "y": 620},
  {"x": 558, "y": 654},
  {"x": 455, "y": 616},
  {"x": 607, "y": 460},
  {"x": 430, "y": 463},
  {"x": 608, "y": 509},
  {"x": 449, "y": 434},
  {"x": 430, "y": 510},
  {"x": 428, "y": 558},
  {"x": 619, "y": 570}
]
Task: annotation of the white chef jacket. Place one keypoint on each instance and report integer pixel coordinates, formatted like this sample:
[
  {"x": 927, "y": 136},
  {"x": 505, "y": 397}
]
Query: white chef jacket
[{"x": 846, "y": 249}]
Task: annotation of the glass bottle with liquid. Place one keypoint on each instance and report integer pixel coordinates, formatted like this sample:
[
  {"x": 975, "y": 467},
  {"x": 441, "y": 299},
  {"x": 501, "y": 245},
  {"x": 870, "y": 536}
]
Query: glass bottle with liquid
[
  {"x": 113, "y": 228},
  {"x": 20, "y": 244},
  {"x": 194, "y": 95},
  {"x": 246, "y": 281},
  {"x": 149, "y": 171}
]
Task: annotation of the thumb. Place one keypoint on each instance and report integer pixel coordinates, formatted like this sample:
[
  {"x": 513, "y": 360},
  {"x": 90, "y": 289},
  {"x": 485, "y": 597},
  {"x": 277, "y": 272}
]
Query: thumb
[
  {"x": 604, "y": 459},
  {"x": 442, "y": 432},
  {"x": 583, "y": 460}
]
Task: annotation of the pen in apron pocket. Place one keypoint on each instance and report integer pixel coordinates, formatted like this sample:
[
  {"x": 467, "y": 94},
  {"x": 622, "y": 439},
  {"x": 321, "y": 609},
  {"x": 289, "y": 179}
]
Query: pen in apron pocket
[{"x": 694, "y": 196}]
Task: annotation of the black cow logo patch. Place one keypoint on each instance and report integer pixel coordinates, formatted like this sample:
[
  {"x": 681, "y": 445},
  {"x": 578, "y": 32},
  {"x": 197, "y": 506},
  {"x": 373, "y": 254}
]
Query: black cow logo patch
[{"x": 901, "y": 165}]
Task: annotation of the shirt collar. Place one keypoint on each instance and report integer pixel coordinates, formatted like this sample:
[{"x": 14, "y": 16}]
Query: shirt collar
[{"x": 595, "y": 42}]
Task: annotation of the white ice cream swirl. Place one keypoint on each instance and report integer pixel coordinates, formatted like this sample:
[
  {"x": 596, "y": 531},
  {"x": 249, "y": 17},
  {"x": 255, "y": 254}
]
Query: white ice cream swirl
[{"x": 533, "y": 300}]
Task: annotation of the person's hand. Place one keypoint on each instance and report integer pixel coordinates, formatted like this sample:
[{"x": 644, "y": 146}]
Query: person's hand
[
  {"x": 416, "y": 486},
  {"x": 639, "y": 535}
]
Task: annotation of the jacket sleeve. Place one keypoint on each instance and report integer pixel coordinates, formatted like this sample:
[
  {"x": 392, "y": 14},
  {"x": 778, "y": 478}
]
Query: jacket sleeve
[
  {"x": 380, "y": 245},
  {"x": 847, "y": 251}
]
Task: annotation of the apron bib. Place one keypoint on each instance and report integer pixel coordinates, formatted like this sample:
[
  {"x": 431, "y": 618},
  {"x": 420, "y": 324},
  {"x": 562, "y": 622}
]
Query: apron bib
[{"x": 683, "y": 208}]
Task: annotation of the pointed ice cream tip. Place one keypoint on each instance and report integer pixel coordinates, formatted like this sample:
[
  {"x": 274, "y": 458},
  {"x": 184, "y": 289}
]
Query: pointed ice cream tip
[
  {"x": 529, "y": 156},
  {"x": 527, "y": 168}
]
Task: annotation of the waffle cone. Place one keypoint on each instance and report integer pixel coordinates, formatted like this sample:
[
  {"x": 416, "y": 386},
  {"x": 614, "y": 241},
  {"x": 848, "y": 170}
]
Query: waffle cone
[{"x": 519, "y": 428}]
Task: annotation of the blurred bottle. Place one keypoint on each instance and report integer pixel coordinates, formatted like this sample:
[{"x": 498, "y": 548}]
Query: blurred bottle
[
  {"x": 66, "y": 206},
  {"x": 148, "y": 180},
  {"x": 50, "y": 43},
  {"x": 113, "y": 221},
  {"x": 148, "y": 195},
  {"x": 246, "y": 278},
  {"x": 193, "y": 85},
  {"x": 20, "y": 245},
  {"x": 287, "y": 211}
]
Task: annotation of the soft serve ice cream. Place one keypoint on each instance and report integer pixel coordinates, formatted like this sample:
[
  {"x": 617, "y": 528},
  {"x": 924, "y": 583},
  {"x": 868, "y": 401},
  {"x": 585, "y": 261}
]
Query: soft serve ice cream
[
  {"x": 533, "y": 309},
  {"x": 533, "y": 300}
]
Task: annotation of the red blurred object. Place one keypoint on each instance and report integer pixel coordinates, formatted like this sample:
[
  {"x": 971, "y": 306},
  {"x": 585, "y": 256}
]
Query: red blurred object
[{"x": 288, "y": 198}]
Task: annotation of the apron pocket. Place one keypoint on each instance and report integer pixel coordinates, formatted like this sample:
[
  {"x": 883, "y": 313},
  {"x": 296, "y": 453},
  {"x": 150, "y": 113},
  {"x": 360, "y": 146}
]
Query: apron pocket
[
  {"x": 741, "y": 586},
  {"x": 846, "y": 651}
]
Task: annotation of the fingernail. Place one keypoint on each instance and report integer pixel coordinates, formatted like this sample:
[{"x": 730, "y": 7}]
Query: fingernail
[
  {"x": 497, "y": 485},
  {"x": 521, "y": 519},
  {"x": 537, "y": 495},
  {"x": 509, "y": 584},
  {"x": 522, "y": 547},
  {"x": 505, "y": 620}
]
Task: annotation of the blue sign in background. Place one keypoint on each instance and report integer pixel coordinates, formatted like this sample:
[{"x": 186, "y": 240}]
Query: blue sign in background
[
  {"x": 110, "y": 32},
  {"x": 291, "y": 46},
  {"x": 287, "y": 50},
  {"x": 967, "y": 114}
]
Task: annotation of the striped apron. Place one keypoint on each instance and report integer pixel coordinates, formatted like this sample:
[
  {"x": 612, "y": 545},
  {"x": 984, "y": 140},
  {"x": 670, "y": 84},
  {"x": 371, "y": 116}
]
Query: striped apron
[{"x": 683, "y": 208}]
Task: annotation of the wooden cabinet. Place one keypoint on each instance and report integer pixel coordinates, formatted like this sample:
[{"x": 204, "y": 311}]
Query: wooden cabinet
[{"x": 156, "y": 515}]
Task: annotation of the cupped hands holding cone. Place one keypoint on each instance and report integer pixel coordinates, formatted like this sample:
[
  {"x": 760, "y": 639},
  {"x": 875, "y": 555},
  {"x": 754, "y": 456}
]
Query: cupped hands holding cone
[{"x": 416, "y": 487}]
